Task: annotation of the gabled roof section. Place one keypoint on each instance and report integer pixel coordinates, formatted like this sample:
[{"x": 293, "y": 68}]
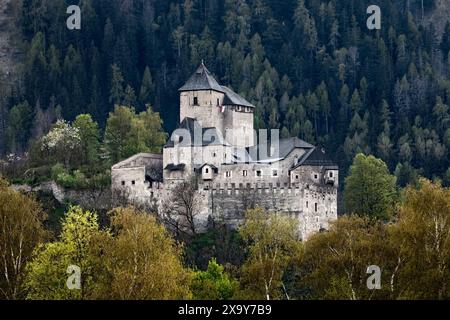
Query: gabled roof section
[
  {"x": 232, "y": 98},
  {"x": 189, "y": 128},
  {"x": 202, "y": 79},
  {"x": 139, "y": 160},
  {"x": 316, "y": 158},
  {"x": 286, "y": 146}
]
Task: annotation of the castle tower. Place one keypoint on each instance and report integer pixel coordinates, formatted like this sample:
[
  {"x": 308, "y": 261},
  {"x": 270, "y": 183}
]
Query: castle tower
[{"x": 215, "y": 106}]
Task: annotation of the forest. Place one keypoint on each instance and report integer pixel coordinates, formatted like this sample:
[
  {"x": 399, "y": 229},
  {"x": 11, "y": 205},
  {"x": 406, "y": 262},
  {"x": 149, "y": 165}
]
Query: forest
[
  {"x": 311, "y": 67},
  {"x": 82, "y": 100}
]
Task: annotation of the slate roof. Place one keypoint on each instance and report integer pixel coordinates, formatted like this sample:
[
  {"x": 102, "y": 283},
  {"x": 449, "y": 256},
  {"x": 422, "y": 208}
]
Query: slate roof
[
  {"x": 139, "y": 160},
  {"x": 191, "y": 127},
  {"x": 232, "y": 98},
  {"x": 202, "y": 79},
  {"x": 316, "y": 158},
  {"x": 286, "y": 146}
]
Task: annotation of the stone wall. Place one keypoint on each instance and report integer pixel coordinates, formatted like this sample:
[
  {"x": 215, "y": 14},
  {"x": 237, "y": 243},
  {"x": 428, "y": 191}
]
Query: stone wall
[
  {"x": 313, "y": 207},
  {"x": 207, "y": 112}
]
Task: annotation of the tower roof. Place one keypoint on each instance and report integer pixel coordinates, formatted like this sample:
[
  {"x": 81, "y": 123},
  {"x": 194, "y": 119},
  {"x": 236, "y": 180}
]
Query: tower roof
[{"x": 202, "y": 79}]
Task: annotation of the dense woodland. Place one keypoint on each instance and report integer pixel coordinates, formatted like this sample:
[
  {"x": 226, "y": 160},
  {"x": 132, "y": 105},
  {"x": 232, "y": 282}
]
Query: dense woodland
[
  {"x": 376, "y": 100},
  {"x": 311, "y": 67}
]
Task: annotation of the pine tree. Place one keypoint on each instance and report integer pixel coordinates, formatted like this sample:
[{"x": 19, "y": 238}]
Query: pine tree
[
  {"x": 146, "y": 94},
  {"x": 117, "y": 90}
]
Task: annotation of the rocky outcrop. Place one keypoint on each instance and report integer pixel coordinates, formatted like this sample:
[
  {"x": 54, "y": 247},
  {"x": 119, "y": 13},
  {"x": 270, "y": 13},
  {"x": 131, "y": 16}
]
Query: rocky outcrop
[{"x": 99, "y": 199}]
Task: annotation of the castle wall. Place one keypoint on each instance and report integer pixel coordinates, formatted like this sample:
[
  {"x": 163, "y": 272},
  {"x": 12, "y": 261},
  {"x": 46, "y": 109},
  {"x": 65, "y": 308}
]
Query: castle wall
[
  {"x": 238, "y": 126},
  {"x": 194, "y": 156},
  {"x": 207, "y": 112},
  {"x": 276, "y": 173},
  {"x": 315, "y": 175},
  {"x": 313, "y": 206}
]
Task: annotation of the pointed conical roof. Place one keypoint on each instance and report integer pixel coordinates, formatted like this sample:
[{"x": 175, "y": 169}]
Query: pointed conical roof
[{"x": 202, "y": 79}]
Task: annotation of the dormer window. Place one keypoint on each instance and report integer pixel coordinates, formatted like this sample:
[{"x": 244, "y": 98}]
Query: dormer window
[{"x": 195, "y": 101}]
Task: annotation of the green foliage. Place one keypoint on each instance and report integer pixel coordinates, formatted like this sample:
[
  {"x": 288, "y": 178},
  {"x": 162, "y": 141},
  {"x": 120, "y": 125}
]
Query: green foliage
[
  {"x": 78, "y": 180},
  {"x": 213, "y": 284},
  {"x": 47, "y": 272},
  {"x": 369, "y": 188},
  {"x": 21, "y": 230},
  {"x": 272, "y": 243},
  {"x": 412, "y": 252},
  {"x": 128, "y": 133},
  {"x": 90, "y": 140}
]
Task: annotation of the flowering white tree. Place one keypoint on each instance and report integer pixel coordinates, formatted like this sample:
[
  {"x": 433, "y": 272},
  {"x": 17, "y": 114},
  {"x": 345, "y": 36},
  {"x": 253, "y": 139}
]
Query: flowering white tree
[{"x": 62, "y": 141}]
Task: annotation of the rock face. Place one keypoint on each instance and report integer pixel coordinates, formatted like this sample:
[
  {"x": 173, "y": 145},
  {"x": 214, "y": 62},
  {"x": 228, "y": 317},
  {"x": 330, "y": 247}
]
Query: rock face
[{"x": 88, "y": 199}]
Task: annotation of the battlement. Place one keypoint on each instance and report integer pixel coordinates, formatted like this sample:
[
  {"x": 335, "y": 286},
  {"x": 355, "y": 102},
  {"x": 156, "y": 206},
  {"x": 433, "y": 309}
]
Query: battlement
[{"x": 233, "y": 188}]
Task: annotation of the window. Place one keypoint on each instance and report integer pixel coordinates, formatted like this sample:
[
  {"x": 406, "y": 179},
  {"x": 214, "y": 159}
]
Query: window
[
  {"x": 133, "y": 182},
  {"x": 331, "y": 174},
  {"x": 228, "y": 174},
  {"x": 244, "y": 173},
  {"x": 315, "y": 207},
  {"x": 206, "y": 170},
  {"x": 274, "y": 173},
  {"x": 258, "y": 173},
  {"x": 195, "y": 101},
  {"x": 307, "y": 203},
  {"x": 296, "y": 177},
  {"x": 315, "y": 176},
  {"x": 123, "y": 183},
  {"x": 218, "y": 102},
  {"x": 214, "y": 155}
]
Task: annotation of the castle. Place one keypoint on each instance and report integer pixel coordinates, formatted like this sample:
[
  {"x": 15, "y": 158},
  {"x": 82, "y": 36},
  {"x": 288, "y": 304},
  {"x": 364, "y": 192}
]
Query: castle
[{"x": 217, "y": 144}]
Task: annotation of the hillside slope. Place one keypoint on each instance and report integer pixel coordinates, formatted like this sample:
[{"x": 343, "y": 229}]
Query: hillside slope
[
  {"x": 439, "y": 16},
  {"x": 9, "y": 52}
]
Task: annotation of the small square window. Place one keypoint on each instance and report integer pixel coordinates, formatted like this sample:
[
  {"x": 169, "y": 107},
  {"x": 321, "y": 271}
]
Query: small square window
[
  {"x": 296, "y": 177},
  {"x": 315, "y": 176},
  {"x": 123, "y": 183},
  {"x": 133, "y": 182},
  {"x": 258, "y": 173}
]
